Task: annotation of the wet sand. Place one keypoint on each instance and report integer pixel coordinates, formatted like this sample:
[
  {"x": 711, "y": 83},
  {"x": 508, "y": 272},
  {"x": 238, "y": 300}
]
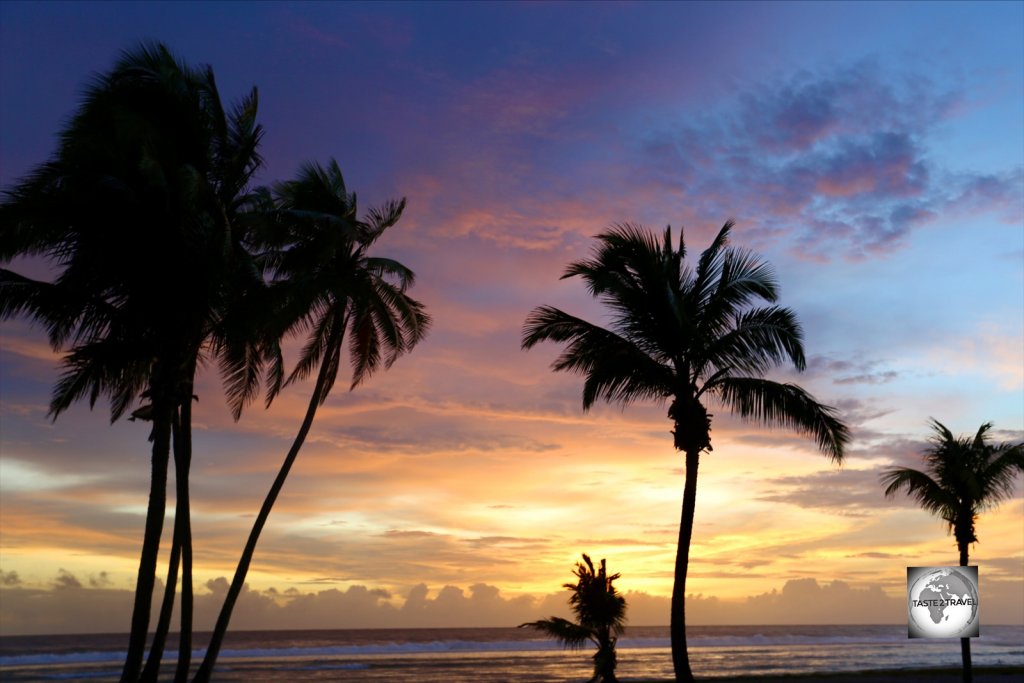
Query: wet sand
[{"x": 981, "y": 675}]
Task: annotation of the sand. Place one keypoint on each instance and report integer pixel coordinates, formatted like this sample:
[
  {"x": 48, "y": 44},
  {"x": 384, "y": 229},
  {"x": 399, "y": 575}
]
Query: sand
[{"x": 1002, "y": 675}]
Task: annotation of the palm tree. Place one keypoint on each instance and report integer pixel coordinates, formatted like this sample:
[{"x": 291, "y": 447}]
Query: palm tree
[
  {"x": 600, "y": 618},
  {"x": 686, "y": 336},
  {"x": 135, "y": 213},
  {"x": 328, "y": 285},
  {"x": 963, "y": 477}
]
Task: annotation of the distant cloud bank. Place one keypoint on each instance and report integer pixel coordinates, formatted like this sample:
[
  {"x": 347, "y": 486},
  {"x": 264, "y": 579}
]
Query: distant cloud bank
[{"x": 71, "y": 607}]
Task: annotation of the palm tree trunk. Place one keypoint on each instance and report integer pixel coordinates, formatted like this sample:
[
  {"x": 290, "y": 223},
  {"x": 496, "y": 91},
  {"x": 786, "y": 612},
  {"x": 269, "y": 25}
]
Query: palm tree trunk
[
  {"x": 965, "y": 643},
  {"x": 146, "y": 580},
  {"x": 156, "y": 651},
  {"x": 680, "y": 657},
  {"x": 217, "y": 638},
  {"x": 183, "y": 512},
  {"x": 605, "y": 662}
]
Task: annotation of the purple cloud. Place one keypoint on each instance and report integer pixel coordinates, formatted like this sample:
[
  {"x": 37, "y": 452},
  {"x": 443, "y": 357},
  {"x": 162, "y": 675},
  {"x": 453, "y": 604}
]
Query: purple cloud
[{"x": 840, "y": 160}]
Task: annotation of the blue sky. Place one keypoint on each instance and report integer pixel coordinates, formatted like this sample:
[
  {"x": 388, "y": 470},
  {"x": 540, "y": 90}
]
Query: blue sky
[{"x": 873, "y": 153}]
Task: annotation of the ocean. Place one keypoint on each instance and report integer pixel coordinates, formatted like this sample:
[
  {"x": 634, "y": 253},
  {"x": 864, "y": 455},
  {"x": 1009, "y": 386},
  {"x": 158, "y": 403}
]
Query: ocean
[{"x": 502, "y": 654}]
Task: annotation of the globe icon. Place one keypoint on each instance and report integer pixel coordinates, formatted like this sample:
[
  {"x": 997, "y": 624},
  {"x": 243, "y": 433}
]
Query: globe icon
[{"x": 944, "y": 604}]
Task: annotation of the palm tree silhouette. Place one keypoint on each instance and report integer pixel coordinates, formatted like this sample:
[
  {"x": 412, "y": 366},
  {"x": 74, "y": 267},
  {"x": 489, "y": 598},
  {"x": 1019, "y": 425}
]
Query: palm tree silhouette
[
  {"x": 600, "y": 618},
  {"x": 328, "y": 285},
  {"x": 685, "y": 335},
  {"x": 963, "y": 477},
  {"x": 135, "y": 211}
]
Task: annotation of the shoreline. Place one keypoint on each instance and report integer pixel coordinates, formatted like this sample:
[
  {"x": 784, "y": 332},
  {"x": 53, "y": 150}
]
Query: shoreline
[{"x": 988, "y": 674}]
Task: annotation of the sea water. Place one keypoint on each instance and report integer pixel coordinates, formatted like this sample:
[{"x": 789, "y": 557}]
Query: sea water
[{"x": 497, "y": 654}]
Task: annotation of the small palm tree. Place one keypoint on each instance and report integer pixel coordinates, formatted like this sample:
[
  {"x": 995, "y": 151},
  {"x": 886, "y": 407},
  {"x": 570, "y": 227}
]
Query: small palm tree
[
  {"x": 686, "y": 336},
  {"x": 600, "y": 618},
  {"x": 964, "y": 477},
  {"x": 328, "y": 285}
]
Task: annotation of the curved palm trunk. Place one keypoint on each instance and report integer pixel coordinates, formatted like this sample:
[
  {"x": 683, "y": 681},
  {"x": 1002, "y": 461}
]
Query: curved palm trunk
[
  {"x": 146, "y": 580},
  {"x": 181, "y": 548},
  {"x": 680, "y": 657},
  {"x": 217, "y": 638},
  {"x": 183, "y": 513},
  {"x": 156, "y": 650},
  {"x": 965, "y": 643},
  {"x": 692, "y": 435},
  {"x": 152, "y": 669}
]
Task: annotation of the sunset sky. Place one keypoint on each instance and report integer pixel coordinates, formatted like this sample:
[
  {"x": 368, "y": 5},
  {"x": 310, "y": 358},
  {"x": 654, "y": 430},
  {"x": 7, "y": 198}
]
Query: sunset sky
[{"x": 872, "y": 152}]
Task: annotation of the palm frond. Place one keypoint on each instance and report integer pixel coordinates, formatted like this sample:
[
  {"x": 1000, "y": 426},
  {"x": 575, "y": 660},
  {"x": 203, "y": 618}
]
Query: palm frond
[
  {"x": 980, "y": 438},
  {"x": 240, "y": 158},
  {"x": 570, "y": 635},
  {"x": 275, "y": 376},
  {"x": 1000, "y": 470},
  {"x": 785, "y": 405},
  {"x": 758, "y": 340},
  {"x": 241, "y": 368},
  {"x": 102, "y": 367},
  {"x": 615, "y": 257},
  {"x": 709, "y": 267},
  {"x": 613, "y": 368},
  {"x": 918, "y": 485},
  {"x": 364, "y": 343},
  {"x": 20, "y": 295},
  {"x": 319, "y": 345},
  {"x": 380, "y": 218},
  {"x": 742, "y": 280},
  {"x": 390, "y": 269}
]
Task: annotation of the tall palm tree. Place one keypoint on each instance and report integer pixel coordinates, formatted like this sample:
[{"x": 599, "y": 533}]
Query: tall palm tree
[
  {"x": 328, "y": 285},
  {"x": 686, "y": 336},
  {"x": 134, "y": 211},
  {"x": 600, "y": 618},
  {"x": 963, "y": 477}
]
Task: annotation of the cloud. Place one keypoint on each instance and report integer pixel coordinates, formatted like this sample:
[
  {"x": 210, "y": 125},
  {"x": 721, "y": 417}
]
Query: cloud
[
  {"x": 29, "y": 348},
  {"x": 74, "y": 608},
  {"x": 25, "y": 611},
  {"x": 100, "y": 580},
  {"x": 844, "y": 491},
  {"x": 880, "y": 166},
  {"x": 999, "y": 192},
  {"x": 834, "y": 161},
  {"x": 882, "y": 377},
  {"x": 993, "y": 349},
  {"x": 66, "y": 580},
  {"x": 426, "y": 432},
  {"x": 469, "y": 464},
  {"x": 805, "y": 601},
  {"x": 809, "y": 108},
  {"x": 1004, "y": 568}
]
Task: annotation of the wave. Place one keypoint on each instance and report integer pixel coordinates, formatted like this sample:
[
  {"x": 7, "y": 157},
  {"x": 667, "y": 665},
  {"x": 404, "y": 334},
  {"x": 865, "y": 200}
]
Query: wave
[
  {"x": 391, "y": 649},
  {"x": 433, "y": 647},
  {"x": 772, "y": 640},
  {"x": 58, "y": 659},
  {"x": 752, "y": 639}
]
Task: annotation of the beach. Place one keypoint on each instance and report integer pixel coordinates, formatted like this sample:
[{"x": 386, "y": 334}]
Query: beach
[{"x": 983, "y": 675}]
